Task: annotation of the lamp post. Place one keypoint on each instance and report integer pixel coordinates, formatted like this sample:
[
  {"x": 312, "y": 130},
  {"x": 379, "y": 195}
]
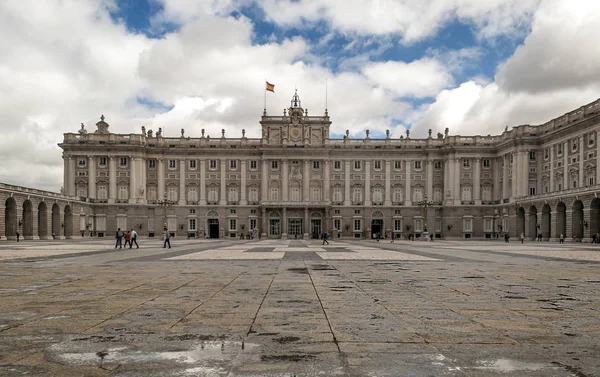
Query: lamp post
[
  {"x": 424, "y": 204},
  {"x": 165, "y": 203}
]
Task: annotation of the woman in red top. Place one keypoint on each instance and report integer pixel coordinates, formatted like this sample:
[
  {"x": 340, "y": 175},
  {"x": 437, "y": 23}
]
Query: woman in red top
[{"x": 127, "y": 239}]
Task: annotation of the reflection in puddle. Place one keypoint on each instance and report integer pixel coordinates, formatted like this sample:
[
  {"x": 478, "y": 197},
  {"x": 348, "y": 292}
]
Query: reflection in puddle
[{"x": 507, "y": 365}]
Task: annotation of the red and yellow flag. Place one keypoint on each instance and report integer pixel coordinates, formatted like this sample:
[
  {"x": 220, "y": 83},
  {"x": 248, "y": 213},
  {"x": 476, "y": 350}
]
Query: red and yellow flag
[{"x": 270, "y": 87}]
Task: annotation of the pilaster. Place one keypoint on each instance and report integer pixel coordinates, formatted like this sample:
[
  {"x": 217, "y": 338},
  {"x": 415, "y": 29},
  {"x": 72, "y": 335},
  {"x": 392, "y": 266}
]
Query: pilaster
[
  {"x": 284, "y": 180},
  {"x": 477, "y": 181},
  {"x": 264, "y": 182},
  {"x": 347, "y": 201},
  {"x": 367, "y": 183},
  {"x": 456, "y": 180},
  {"x": 284, "y": 229},
  {"x": 566, "y": 166},
  {"x": 429, "y": 181},
  {"x": 112, "y": 179},
  {"x": 581, "y": 160},
  {"x": 306, "y": 181},
  {"x": 161, "y": 178},
  {"x": 407, "y": 183},
  {"x": 388, "y": 183},
  {"x": 327, "y": 182},
  {"x": 91, "y": 177},
  {"x": 132, "y": 180},
  {"x": 223, "y": 183},
  {"x": 552, "y": 168},
  {"x": 203, "y": 182},
  {"x": 182, "y": 198},
  {"x": 554, "y": 234},
  {"x": 243, "y": 187}
]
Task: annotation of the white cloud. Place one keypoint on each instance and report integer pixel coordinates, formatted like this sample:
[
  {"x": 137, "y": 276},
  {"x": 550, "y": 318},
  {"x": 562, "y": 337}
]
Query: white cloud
[{"x": 414, "y": 20}]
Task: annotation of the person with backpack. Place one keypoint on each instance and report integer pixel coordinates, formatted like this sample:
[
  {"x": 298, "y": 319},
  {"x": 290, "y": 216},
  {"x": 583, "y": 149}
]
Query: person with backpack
[
  {"x": 167, "y": 239},
  {"x": 119, "y": 237},
  {"x": 133, "y": 239}
]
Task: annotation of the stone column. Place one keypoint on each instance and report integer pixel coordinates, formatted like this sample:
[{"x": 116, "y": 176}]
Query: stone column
[
  {"x": 407, "y": 198},
  {"x": 143, "y": 174},
  {"x": 448, "y": 187},
  {"x": 515, "y": 178},
  {"x": 223, "y": 183},
  {"x": 307, "y": 229},
  {"x": 327, "y": 182},
  {"x": 525, "y": 172},
  {"x": 566, "y": 166},
  {"x": 552, "y": 168},
  {"x": 284, "y": 180},
  {"x": 132, "y": 180},
  {"x": 264, "y": 181},
  {"x": 243, "y": 187},
  {"x": 347, "y": 197},
  {"x": 388, "y": 183},
  {"x": 367, "y": 183},
  {"x": 506, "y": 161},
  {"x": 429, "y": 181},
  {"x": 306, "y": 181},
  {"x": 284, "y": 229},
  {"x": 540, "y": 186},
  {"x": 72, "y": 163},
  {"x": 554, "y": 234},
  {"x": 456, "y": 178},
  {"x": 91, "y": 177},
  {"x": 203, "y": 182},
  {"x": 161, "y": 179},
  {"x": 477, "y": 182},
  {"x": 65, "y": 174},
  {"x": 581, "y": 159},
  {"x": 264, "y": 217},
  {"x": 112, "y": 179},
  {"x": 597, "y": 141},
  {"x": 182, "y": 198},
  {"x": 497, "y": 190}
]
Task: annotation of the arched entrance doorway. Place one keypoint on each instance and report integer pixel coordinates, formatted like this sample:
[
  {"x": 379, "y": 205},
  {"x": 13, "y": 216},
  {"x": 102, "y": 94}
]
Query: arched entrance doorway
[
  {"x": 546, "y": 221},
  {"x": 42, "y": 221},
  {"x": 561, "y": 219},
  {"x": 274, "y": 225},
  {"x": 27, "y": 220},
  {"x": 377, "y": 229},
  {"x": 10, "y": 218},
  {"x": 55, "y": 221},
  {"x": 577, "y": 222},
  {"x": 533, "y": 225},
  {"x": 68, "y": 222},
  {"x": 595, "y": 216},
  {"x": 520, "y": 221},
  {"x": 212, "y": 224},
  {"x": 315, "y": 224}
]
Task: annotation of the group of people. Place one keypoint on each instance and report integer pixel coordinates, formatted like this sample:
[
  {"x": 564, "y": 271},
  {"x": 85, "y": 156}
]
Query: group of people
[{"x": 130, "y": 238}]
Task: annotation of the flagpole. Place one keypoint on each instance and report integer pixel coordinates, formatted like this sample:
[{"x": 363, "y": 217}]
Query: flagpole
[
  {"x": 326, "y": 95},
  {"x": 265, "y": 90}
]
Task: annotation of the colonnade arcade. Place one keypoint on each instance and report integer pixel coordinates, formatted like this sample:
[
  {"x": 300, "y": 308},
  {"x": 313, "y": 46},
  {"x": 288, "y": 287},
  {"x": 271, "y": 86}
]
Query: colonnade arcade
[
  {"x": 35, "y": 218},
  {"x": 575, "y": 217}
]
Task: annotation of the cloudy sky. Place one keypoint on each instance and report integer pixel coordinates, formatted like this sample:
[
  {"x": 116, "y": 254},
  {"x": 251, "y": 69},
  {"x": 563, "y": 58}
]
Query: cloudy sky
[{"x": 474, "y": 66}]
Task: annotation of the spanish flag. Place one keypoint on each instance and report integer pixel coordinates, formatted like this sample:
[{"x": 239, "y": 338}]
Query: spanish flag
[{"x": 270, "y": 87}]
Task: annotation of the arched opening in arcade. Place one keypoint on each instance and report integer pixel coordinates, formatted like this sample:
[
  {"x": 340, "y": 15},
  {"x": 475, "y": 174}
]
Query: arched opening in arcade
[
  {"x": 577, "y": 220},
  {"x": 561, "y": 219},
  {"x": 520, "y": 221},
  {"x": 212, "y": 224},
  {"x": 533, "y": 224},
  {"x": 42, "y": 220},
  {"x": 546, "y": 221},
  {"x": 26, "y": 222},
  {"x": 56, "y": 225},
  {"x": 10, "y": 218},
  {"x": 594, "y": 225},
  {"x": 68, "y": 222}
]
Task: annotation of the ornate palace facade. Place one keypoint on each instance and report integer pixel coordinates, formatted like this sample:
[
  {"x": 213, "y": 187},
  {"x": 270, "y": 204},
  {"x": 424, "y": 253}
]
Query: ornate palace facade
[{"x": 296, "y": 182}]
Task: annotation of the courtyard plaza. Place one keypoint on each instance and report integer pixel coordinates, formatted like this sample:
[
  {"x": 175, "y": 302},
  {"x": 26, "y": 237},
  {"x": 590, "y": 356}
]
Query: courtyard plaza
[{"x": 299, "y": 308}]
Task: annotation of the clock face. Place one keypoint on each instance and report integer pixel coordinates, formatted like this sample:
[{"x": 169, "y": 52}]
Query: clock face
[{"x": 295, "y": 132}]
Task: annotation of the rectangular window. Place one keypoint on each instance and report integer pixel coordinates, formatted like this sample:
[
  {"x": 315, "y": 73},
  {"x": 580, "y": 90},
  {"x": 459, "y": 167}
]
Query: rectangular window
[
  {"x": 274, "y": 194},
  {"x": 591, "y": 139},
  {"x": 123, "y": 161},
  {"x": 377, "y": 165},
  {"x": 172, "y": 164},
  {"x": 531, "y": 155},
  {"x": 487, "y": 225},
  {"x": 438, "y": 225},
  {"x": 574, "y": 145},
  {"x": 337, "y": 165},
  {"x": 192, "y": 224},
  {"x": 192, "y": 164},
  {"x": 418, "y": 223},
  {"x": 466, "y": 163},
  {"x": 232, "y": 164},
  {"x": 357, "y": 224},
  {"x": 102, "y": 161},
  {"x": 532, "y": 191},
  {"x": 357, "y": 165},
  {"x": 315, "y": 164},
  {"x": 486, "y": 163},
  {"x": 437, "y": 164},
  {"x": 546, "y": 153},
  {"x": 467, "y": 225},
  {"x": 336, "y": 211},
  {"x": 591, "y": 180},
  {"x": 274, "y": 165},
  {"x": 357, "y": 211},
  {"x": 417, "y": 165},
  {"x": 232, "y": 211},
  {"x": 253, "y": 165},
  {"x": 397, "y": 225},
  {"x": 559, "y": 149},
  {"x": 337, "y": 223},
  {"x": 252, "y": 224},
  {"x": 81, "y": 162},
  {"x": 151, "y": 164},
  {"x": 232, "y": 224},
  {"x": 397, "y": 165},
  {"x": 316, "y": 194},
  {"x": 212, "y": 164}
]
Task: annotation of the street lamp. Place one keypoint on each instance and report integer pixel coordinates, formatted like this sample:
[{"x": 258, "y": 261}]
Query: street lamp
[
  {"x": 165, "y": 203},
  {"x": 424, "y": 204}
]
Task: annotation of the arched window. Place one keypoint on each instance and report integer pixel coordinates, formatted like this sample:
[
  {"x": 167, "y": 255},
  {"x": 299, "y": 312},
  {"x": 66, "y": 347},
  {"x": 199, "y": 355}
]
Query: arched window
[
  {"x": 466, "y": 193},
  {"x": 172, "y": 193},
  {"x": 337, "y": 194},
  {"x": 232, "y": 194},
  {"x": 192, "y": 193},
  {"x": 253, "y": 194},
  {"x": 357, "y": 194},
  {"x": 123, "y": 192},
  {"x": 438, "y": 195},
  {"x": 486, "y": 193},
  {"x": 213, "y": 194},
  {"x": 378, "y": 194},
  {"x": 417, "y": 194},
  {"x": 102, "y": 192},
  {"x": 398, "y": 194}
]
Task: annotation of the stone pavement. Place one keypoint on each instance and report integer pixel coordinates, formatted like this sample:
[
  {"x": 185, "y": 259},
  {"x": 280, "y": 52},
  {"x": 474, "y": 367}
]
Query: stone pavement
[{"x": 298, "y": 308}]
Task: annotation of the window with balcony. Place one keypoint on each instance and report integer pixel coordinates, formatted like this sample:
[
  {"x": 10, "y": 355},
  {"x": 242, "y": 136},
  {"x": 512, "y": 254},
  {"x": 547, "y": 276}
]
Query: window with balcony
[
  {"x": 232, "y": 194},
  {"x": 213, "y": 194},
  {"x": 397, "y": 194},
  {"x": 337, "y": 195},
  {"x": 253, "y": 194},
  {"x": 123, "y": 192},
  {"x": 274, "y": 194},
  {"x": 357, "y": 195},
  {"x": 466, "y": 194},
  {"x": 295, "y": 194},
  {"x": 315, "y": 194},
  {"x": 172, "y": 193},
  {"x": 151, "y": 193},
  {"x": 417, "y": 194},
  {"x": 378, "y": 195},
  {"x": 81, "y": 162},
  {"x": 192, "y": 194},
  {"x": 102, "y": 192}
]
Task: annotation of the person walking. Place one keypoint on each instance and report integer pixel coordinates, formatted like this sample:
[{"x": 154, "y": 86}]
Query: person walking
[
  {"x": 133, "y": 239},
  {"x": 119, "y": 237},
  {"x": 18, "y": 236},
  {"x": 431, "y": 237},
  {"x": 167, "y": 239},
  {"x": 325, "y": 236},
  {"x": 127, "y": 239},
  {"x": 561, "y": 239},
  {"x": 522, "y": 237}
]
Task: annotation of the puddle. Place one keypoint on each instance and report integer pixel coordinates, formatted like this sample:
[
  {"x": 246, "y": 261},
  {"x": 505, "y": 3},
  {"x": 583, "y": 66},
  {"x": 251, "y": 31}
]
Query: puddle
[
  {"x": 197, "y": 353},
  {"x": 508, "y": 365}
]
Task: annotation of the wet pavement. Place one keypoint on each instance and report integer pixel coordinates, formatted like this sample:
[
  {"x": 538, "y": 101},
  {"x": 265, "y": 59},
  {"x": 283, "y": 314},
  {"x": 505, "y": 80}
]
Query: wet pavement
[{"x": 298, "y": 308}]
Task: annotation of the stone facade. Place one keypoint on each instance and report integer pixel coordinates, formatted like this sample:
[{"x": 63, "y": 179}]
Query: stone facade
[{"x": 296, "y": 182}]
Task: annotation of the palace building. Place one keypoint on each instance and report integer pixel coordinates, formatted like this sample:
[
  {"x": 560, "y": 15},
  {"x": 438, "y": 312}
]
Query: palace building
[{"x": 297, "y": 182}]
